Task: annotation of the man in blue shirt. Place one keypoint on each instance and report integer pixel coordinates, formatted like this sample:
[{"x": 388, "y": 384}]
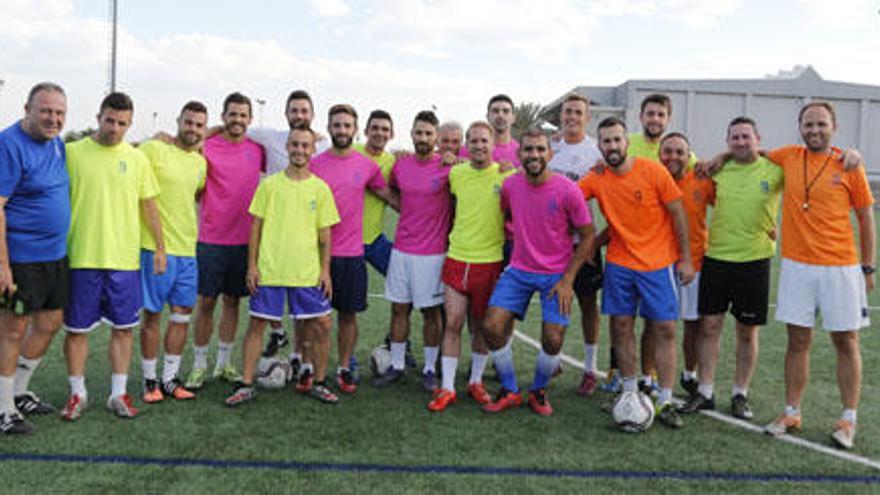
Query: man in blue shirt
[{"x": 34, "y": 219}]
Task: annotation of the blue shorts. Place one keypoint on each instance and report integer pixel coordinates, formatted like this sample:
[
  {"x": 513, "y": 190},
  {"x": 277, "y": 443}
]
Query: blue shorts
[
  {"x": 514, "y": 291},
  {"x": 349, "y": 275},
  {"x": 113, "y": 296},
  {"x": 654, "y": 294},
  {"x": 378, "y": 254},
  {"x": 304, "y": 303},
  {"x": 222, "y": 269},
  {"x": 176, "y": 287}
]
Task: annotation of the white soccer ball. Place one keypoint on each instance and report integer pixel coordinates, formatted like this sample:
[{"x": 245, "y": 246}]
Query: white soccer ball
[
  {"x": 273, "y": 373},
  {"x": 380, "y": 360},
  {"x": 633, "y": 412}
]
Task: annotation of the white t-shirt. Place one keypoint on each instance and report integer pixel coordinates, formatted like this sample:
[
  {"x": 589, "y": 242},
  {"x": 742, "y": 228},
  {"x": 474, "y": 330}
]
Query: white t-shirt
[
  {"x": 574, "y": 160},
  {"x": 275, "y": 142}
]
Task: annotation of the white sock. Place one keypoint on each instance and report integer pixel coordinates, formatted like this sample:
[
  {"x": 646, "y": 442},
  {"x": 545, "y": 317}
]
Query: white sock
[
  {"x": 78, "y": 386},
  {"x": 294, "y": 356},
  {"x": 739, "y": 391},
  {"x": 7, "y": 384},
  {"x": 278, "y": 331},
  {"x": 792, "y": 410},
  {"x": 849, "y": 415},
  {"x": 665, "y": 396},
  {"x": 307, "y": 368},
  {"x": 431, "y": 354},
  {"x": 630, "y": 384},
  {"x": 118, "y": 385},
  {"x": 23, "y": 373},
  {"x": 201, "y": 357},
  {"x": 690, "y": 375},
  {"x": 478, "y": 366},
  {"x": 170, "y": 367},
  {"x": 647, "y": 379},
  {"x": 590, "y": 357},
  {"x": 224, "y": 349},
  {"x": 149, "y": 368},
  {"x": 450, "y": 365},
  {"x": 707, "y": 390},
  {"x": 398, "y": 355}
]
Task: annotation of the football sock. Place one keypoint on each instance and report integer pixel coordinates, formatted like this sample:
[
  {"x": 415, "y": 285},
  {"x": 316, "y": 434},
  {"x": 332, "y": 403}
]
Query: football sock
[
  {"x": 792, "y": 410},
  {"x": 478, "y": 366},
  {"x": 647, "y": 380},
  {"x": 278, "y": 331},
  {"x": 707, "y": 390},
  {"x": 504, "y": 364},
  {"x": 307, "y": 368},
  {"x": 849, "y": 415},
  {"x": 78, "y": 386},
  {"x": 431, "y": 354},
  {"x": 23, "y": 373},
  {"x": 630, "y": 384},
  {"x": 118, "y": 384},
  {"x": 201, "y": 357},
  {"x": 171, "y": 367},
  {"x": 590, "y": 357},
  {"x": 7, "y": 403},
  {"x": 690, "y": 375},
  {"x": 148, "y": 366},
  {"x": 294, "y": 356},
  {"x": 544, "y": 368},
  {"x": 398, "y": 355},
  {"x": 664, "y": 397},
  {"x": 739, "y": 391},
  {"x": 224, "y": 349},
  {"x": 449, "y": 365}
]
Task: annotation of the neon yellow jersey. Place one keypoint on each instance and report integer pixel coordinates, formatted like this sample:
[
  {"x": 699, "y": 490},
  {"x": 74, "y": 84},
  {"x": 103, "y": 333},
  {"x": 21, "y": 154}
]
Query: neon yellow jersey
[
  {"x": 478, "y": 227},
  {"x": 180, "y": 175},
  {"x": 746, "y": 208},
  {"x": 292, "y": 212},
  {"x": 107, "y": 184},
  {"x": 374, "y": 207},
  {"x": 641, "y": 148}
]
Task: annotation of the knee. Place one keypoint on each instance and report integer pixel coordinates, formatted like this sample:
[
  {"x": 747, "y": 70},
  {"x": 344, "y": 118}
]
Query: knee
[
  {"x": 799, "y": 342},
  {"x": 551, "y": 344},
  {"x": 846, "y": 343},
  {"x": 324, "y": 324}
]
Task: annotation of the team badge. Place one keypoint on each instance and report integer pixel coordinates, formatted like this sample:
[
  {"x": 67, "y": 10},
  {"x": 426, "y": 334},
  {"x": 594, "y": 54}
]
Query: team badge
[
  {"x": 836, "y": 180},
  {"x": 765, "y": 186},
  {"x": 313, "y": 204},
  {"x": 123, "y": 167}
]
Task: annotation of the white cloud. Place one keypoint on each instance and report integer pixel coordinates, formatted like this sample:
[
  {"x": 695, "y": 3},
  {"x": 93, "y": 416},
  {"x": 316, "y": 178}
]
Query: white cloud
[
  {"x": 329, "y": 8},
  {"x": 839, "y": 14}
]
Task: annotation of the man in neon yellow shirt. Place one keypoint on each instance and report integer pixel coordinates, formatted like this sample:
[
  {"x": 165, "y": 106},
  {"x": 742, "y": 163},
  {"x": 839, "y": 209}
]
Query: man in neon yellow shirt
[
  {"x": 293, "y": 211},
  {"x": 111, "y": 182},
  {"x": 180, "y": 171},
  {"x": 377, "y": 247}
]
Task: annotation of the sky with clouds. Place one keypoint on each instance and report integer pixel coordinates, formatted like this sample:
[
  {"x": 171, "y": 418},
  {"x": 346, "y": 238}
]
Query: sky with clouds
[{"x": 408, "y": 55}]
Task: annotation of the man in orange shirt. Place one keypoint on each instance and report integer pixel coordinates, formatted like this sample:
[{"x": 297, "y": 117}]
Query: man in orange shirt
[
  {"x": 642, "y": 204},
  {"x": 821, "y": 270}
]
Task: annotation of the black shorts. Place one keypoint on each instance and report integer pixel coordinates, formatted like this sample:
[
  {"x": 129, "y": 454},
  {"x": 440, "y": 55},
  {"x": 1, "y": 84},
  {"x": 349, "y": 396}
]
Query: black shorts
[
  {"x": 349, "y": 276},
  {"x": 222, "y": 269},
  {"x": 589, "y": 278},
  {"x": 41, "y": 285},
  {"x": 742, "y": 287}
]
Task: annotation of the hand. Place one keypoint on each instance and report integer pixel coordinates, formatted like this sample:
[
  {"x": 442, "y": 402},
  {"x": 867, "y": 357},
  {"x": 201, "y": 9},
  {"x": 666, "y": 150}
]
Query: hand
[
  {"x": 160, "y": 262},
  {"x": 869, "y": 282},
  {"x": 252, "y": 279},
  {"x": 326, "y": 284},
  {"x": 772, "y": 233},
  {"x": 565, "y": 292},
  {"x": 851, "y": 159},
  {"x": 449, "y": 159},
  {"x": 599, "y": 167},
  {"x": 686, "y": 272},
  {"x": 7, "y": 284},
  {"x": 706, "y": 169},
  {"x": 505, "y": 166},
  {"x": 401, "y": 154}
]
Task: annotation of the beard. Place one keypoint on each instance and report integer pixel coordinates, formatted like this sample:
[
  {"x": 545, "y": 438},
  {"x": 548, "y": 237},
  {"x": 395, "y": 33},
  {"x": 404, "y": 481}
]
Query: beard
[
  {"x": 614, "y": 158},
  {"x": 341, "y": 141},
  {"x": 188, "y": 139},
  {"x": 527, "y": 166},
  {"x": 651, "y": 133},
  {"x": 423, "y": 149}
]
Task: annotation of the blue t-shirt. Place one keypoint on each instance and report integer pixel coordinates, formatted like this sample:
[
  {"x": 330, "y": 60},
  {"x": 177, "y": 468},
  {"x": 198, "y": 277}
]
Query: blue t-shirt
[{"x": 33, "y": 178}]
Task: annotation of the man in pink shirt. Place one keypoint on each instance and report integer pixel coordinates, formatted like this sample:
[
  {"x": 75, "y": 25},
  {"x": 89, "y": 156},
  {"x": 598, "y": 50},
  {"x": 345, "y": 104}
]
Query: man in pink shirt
[
  {"x": 422, "y": 182},
  {"x": 545, "y": 209},
  {"x": 500, "y": 115},
  {"x": 349, "y": 175},
  {"x": 234, "y": 167}
]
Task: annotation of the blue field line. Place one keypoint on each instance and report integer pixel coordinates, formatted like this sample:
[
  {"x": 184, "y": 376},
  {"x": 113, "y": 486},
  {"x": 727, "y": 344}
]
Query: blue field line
[{"x": 436, "y": 469}]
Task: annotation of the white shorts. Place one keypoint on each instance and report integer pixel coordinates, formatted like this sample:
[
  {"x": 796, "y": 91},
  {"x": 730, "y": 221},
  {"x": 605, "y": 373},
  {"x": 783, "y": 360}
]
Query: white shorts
[
  {"x": 414, "y": 278},
  {"x": 687, "y": 299},
  {"x": 837, "y": 292}
]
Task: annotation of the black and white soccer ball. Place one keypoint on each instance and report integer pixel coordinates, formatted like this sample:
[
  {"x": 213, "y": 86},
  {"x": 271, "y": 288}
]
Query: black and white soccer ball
[
  {"x": 273, "y": 373},
  {"x": 380, "y": 360},
  {"x": 633, "y": 412}
]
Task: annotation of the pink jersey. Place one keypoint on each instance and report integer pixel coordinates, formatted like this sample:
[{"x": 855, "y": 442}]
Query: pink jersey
[
  {"x": 349, "y": 177},
  {"x": 425, "y": 205},
  {"x": 501, "y": 153},
  {"x": 233, "y": 175},
  {"x": 543, "y": 219}
]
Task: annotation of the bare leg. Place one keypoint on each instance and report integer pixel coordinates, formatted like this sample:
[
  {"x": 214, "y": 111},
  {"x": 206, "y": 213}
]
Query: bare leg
[
  {"x": 253, "y": 341},
  {"x": 623, "y": 340},
  {"x": 746, "y": 354},
  {"x": 849, "y": 367},
  {"x": 797, "y": 363}
]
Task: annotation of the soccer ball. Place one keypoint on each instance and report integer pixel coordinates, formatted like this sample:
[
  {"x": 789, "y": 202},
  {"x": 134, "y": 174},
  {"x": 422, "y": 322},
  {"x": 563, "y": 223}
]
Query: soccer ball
[
  {"x": 633, "y": 412},
  {"x": 380, "y": 360},
  {"x": 273, "y": 373}
]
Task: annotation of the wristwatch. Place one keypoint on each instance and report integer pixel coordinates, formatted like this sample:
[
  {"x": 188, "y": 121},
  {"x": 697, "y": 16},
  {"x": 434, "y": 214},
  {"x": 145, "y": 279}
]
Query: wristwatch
[{"x": 868, "y": 269}]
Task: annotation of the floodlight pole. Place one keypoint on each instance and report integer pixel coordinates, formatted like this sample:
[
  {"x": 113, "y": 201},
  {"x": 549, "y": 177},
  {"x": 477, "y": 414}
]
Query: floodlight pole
[{"x": 113, "y": 17}]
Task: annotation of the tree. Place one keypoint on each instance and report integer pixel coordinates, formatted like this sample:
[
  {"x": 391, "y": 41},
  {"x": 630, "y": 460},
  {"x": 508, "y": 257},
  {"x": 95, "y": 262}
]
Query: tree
[
  {"x": 527, "y": 116},
  {"x": 70, "y": 136}
]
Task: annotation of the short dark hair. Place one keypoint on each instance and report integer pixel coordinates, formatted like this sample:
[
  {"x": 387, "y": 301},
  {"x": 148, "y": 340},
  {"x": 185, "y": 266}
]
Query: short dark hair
[
  {"x": 534, "y": 133},
  {"x": 676, "y": 135},
  {"x": 117, "y": 101},
  {"x": 658, "y": 99},
  {"x": 239, "y": 99},
  {"x": 742, "y": 119},
  {"x": 299, "y": 94},
  {"x": 577, "y": 97},
  {"x": 427, "y": 116},
  {"x": 303, "y": 127},
  {"x": 44, "y": 86},
  {"x": 500, "y": 97},
  {"x": 610, "y": 122},
  {"x": 381, "y": 115},
  {"x": 342, "y": 108},
  {"x": 194, "y": 106},
  {"x": 821, "y": 104}
]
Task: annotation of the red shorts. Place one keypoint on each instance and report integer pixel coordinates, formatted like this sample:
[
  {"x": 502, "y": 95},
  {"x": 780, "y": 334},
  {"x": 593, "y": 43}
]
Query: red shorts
[{"x": 474, "y": 280}]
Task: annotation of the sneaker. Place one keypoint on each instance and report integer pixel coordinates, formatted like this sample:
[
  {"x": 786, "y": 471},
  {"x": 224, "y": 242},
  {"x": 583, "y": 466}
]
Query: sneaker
[
  {"x": 243, "y": 393},
  {"x": 74, "y": 408},
  {"x": 276, "y": 342},
  {"x": 175, "y": 389},
  {"x": 478, "y": 392},
  {"x": 345, "y": 382},
  {"x": 844, "y": 433},
  {"x": 304, "y": 383},
  {"x": 389, "y": 377},
  {"x": 442, "y": 399},
  {"x": 668, "y": 416},
  {"x": 321, "y": 392},
  {"x": 429, "y": 381},
  {"x": 539, "y": 403},
  {"x": 29, "y": 403},
  {"x": 739, "y": 407},
  {"x": 228, "y": 374},
  {"x": 152, "y": 394},
  {"x": 696, "y": 403},
  {"x": 295, "y": 367},
  {"x": 588, "y": 385},
  {"x": 122, "y": 406},
  {"x": 505, "y": 400},
  {"x": 13, "y": 423},
  {"x": 689, "y": 385},
  {"x": 781, "y": 425},
  {"x": 196, "y": 379},
  {"x": 613, "y": 382},
  {"x": 652, "y": 389}
]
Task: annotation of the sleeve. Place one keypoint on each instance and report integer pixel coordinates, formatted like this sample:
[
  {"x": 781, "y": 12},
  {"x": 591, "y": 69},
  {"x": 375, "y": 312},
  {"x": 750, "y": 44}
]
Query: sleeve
[
  {"x": 576, "y": 205},
  {"x": 587, "y": 185},
  {"x": 259, "y": 203},
  {"x": 10, "y": 171},
  {"x": 149, "y": 187},
  {"x": 376, "y": 181},
  {"x": 859, "y": 189},
  {"x": 260, "y": 135},
  {"x": 779, "y": 155},
  {"x": 327, "y": 213},
  {"x": 666, "y": 187},
  {"x": 263, "y": 161},
  {"x": 203, "y": 173}
]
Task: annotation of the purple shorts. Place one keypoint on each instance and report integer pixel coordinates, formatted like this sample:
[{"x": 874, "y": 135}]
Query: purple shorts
[
  {"x": 304, "y": 303},
  {"x": 113, "y": 296}
]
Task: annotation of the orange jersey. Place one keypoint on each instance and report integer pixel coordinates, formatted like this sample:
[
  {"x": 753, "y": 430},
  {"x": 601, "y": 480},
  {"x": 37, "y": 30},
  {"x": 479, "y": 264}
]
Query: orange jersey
[
  {"x": 634, "y": 204},
  {"x": 816, "y": 227},
  {"x": 697, "y": 195}
]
